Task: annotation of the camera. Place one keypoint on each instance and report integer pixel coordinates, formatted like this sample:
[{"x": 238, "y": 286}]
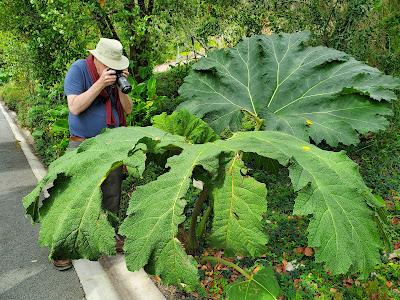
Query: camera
[{"x": 122, "y": 83}]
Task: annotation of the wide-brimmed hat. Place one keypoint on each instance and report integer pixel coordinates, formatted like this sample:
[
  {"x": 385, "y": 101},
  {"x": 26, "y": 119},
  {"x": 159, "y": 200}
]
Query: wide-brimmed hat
[{"x": 109, "y": 52}]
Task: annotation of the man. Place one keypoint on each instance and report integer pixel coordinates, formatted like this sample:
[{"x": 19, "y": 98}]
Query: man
[{"x": 95, "y": 103}]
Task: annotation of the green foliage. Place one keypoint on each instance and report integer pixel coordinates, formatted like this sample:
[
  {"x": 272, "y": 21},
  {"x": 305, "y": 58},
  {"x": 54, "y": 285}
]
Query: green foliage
[
  {"x": 183, "y": 123},
  {"x": 47, "y": 29},
  {"x": 168, "y": 84},
  {"x": 342, "y": 229},
  {"x": 273, "y": 79},
  {"x": 260, "y": 286},
  {"x": 145, "y": 102},
  {"x": 13, "y": 95},
  {"x": 44, "y": 114}
]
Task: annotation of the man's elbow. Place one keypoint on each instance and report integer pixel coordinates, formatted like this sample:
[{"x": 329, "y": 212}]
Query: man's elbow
[
  {"x": 71, "y": 107},
  {"x": 73, "y": 110}
]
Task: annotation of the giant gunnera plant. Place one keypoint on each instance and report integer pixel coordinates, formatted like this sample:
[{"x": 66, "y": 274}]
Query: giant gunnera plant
[{"x": 292, "y": 93}]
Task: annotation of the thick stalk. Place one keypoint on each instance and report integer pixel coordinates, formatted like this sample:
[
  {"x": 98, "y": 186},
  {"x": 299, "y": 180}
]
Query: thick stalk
[
  {"x": 193, "y": 243},
  {"x": 203, "y": 222},
  {"x": 228, "y": 264}
]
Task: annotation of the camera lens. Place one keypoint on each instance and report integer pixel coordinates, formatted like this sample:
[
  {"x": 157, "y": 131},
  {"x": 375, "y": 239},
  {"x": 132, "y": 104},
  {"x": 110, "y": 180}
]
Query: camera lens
[{"x": 123, "y": 84}]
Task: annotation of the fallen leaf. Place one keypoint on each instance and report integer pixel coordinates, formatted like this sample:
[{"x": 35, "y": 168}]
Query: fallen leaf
[
  {"x": 348, "y": 282},
  {"x": 289, "y": 267},
  {"x": 284, "y": 263},
  {"x": 390, "y": 205},
  {"x": 308, "y": 251},
  {"x": 299, "y": 250},
  {"x": 279, "y": 269},
  {"x": 296, "y": 282}
]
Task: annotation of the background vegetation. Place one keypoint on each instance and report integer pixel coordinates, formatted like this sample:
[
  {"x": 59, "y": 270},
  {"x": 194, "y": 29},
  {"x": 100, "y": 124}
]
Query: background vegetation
[{"x": 39, "y": 39}]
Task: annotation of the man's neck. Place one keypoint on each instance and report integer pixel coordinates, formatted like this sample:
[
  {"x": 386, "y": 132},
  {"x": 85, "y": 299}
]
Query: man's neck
[{"x": 98, "y": 66}]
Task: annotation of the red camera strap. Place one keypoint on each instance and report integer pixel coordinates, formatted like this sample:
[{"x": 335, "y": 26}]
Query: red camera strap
[{"x": 110, "y": 120}]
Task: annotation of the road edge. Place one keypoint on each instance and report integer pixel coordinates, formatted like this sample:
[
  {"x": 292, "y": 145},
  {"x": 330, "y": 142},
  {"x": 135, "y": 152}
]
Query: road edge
[{"x": 105, "y": 279}]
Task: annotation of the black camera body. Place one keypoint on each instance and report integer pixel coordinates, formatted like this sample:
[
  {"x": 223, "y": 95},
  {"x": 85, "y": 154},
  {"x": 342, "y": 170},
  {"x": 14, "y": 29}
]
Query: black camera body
[{"x": 122, "y": 83}]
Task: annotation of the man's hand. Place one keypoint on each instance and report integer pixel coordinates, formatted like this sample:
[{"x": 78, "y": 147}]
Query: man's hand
[
  {"x": 107, "y": 78},
  {"x": 125, "y": 73}
]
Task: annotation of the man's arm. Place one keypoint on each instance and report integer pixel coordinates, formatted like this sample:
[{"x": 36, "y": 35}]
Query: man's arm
[
  {"x": 79, "y": 103},
  {"x": 126, "y": 102}
]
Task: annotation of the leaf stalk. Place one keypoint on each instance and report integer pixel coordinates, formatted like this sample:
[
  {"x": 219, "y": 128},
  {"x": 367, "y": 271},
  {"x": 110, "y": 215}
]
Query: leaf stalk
[
  {"x": 228, "y": 264},
  {"x": 193, "y": 242}
]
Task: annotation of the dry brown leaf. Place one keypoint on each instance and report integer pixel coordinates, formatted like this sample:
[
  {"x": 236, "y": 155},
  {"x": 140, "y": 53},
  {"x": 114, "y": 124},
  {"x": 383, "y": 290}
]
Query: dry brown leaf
[
  {"x": 348, "y": 282},
  {"x": 397, "y": 246},
  {"x": 279, "y": 269},
  {"x": 296, "y": 282},
  {"x": 308, "y": 251},
  {"x": 299, "y": 250}
]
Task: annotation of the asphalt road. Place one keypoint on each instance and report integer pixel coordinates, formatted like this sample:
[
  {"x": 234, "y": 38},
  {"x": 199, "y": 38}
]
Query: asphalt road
[{"x": 25, "y": 271}]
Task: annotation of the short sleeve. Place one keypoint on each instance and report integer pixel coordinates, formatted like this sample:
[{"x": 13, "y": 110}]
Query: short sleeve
[{"x": 74, "y": 83}]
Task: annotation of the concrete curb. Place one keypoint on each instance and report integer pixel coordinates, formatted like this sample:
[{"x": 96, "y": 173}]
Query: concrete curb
[{"x": 107, "y": 278}]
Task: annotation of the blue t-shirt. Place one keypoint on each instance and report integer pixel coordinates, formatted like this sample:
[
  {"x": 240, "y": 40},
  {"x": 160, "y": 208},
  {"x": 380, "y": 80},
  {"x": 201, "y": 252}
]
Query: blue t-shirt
[{"x": 90, "y": 122}]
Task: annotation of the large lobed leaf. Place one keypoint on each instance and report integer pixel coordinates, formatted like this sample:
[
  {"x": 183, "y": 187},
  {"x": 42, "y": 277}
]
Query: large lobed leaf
[
  {"x": 239, "y": 204},
  {"x": 310, "y": 92},
  {"x": 343, "y": 228},
  {"x": 73, "y": 222},
  {"x": 156, "y": 210}
]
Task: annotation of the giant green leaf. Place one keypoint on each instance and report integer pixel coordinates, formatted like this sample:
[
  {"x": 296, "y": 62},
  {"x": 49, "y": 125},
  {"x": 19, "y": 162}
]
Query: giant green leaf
[
  {"x": 343, "y": 228},
  {"x": 156, "y": 210},
  {"x": 73, "y": 222},
  {"x": 310, "y": 92},
  {"x": 260, "y": 286},
  {"x": 239, "y": 204}
]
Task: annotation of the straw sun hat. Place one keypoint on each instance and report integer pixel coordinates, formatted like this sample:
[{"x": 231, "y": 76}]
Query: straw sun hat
[{"x": 109, "y": 52}]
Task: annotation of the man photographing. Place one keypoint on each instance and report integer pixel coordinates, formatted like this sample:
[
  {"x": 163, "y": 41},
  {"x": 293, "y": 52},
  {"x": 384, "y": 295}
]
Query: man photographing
[{"x": 96, "y": 90}]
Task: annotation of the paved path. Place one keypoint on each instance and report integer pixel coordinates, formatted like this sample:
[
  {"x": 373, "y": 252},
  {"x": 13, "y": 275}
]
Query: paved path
[{"x": 25, "y": 272}]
